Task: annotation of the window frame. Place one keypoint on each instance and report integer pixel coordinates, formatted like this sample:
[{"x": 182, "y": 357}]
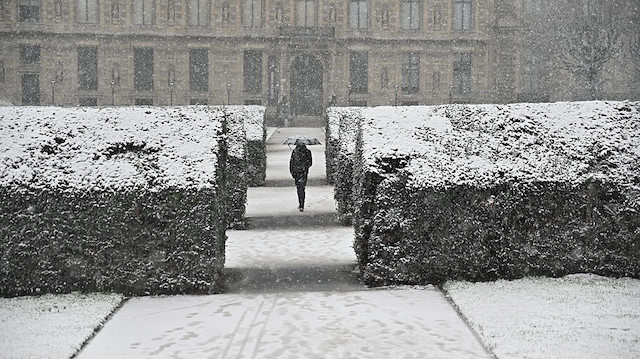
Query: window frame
[
  {"x": 462, "y": 74},
  {"x": 199, "y": 70},
  {"x": 203, "y": 18},
  {"x": 143, "y": 18},
  {"x": 250, "y": 85},
  {"x": 458, "y": 10},
  {"x": 87, "y": 73},
  {"x": 142, "y": 82},
  {"x": 253, "y": 23},
  {"x": 410, "y": 73},
  {"x": 359, "y": 60},
  {"x": 360, "y": 24},
  {"x": 82, "y": 16},
  {"x": 307, "y": 23},
  {"x": 411, "y": 5}
]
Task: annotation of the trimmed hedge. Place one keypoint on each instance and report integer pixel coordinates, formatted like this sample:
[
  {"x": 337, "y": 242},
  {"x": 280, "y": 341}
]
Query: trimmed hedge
[
  {"x": 332, "y": 136},
  {"x": 256, "y": 144},
  {"x": 135, "y": 242},
  {"x": 499, "y": 192},
  {"x": 128, "y": 200},
  {"x": 236, "y": 168},
  {"x": 343, "y": 186}
]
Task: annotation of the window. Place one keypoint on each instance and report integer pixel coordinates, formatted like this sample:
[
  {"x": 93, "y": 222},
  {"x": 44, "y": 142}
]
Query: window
[
  {"x": 252, "y": 13},
  {"x": 142, "y": 12},
  {"x": 30, "y": 89},
  {"x": 88, "y": 101},
  {"x": 199, "y": 70},
  {"x": 143, "y": 69},
  {"x": 29, "y": 10},
  {"x": 87, "y": 11},
  {"x": 462, "y": 14},
  {"x": 411, "y": 10},
  {"x": 305, "y": 13},
  {"x": 359, "y": 72},
  {"x": 358, "y": 14},
  {"x": 252, "y": 71},
  {"x": 384, "y": 18},
  {"x": 29, "y": 54},
  {"x": 171, "y": 11},
  {"x": 462, "y": 74},
  {"x": 384, "y": 78},
  {"x": 410, "y": 73},
  {"x": 198, "y": 101},
  {"x": 226, "y": 15},
  {"x": 198, "y": 12},
  {"x": 143, "y": 102},
  {"x": 87, "y": 68}
]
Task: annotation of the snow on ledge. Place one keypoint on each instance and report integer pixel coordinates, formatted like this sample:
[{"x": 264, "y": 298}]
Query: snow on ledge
[{"x": 100, "y": 148}]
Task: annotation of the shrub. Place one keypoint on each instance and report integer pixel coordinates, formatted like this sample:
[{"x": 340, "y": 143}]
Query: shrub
[
  {"x": 256, "y": 144},
  {"x": 236, "y": 167},
  {"x": 484, "y": 192},
  {"x": 123, "y": 199},
  {"x": 332, "y": 139},
  {"x": 343, "y": 186}
]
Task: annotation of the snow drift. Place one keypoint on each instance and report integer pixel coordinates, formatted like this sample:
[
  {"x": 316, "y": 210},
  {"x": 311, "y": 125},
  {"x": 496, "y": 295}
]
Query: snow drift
[{"x": 497, "y": 191}]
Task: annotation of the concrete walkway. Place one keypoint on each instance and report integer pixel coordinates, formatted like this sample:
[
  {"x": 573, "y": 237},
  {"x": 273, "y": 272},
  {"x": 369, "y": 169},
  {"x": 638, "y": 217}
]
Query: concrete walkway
[{"x": 291, "y": 293}]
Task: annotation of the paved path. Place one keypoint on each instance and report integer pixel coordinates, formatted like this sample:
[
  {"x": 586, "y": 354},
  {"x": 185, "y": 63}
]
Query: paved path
[{"x": 291, "y": 293}]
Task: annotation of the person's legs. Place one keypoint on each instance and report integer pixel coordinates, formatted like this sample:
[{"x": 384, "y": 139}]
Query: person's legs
[{"x": 301, "y": 183}]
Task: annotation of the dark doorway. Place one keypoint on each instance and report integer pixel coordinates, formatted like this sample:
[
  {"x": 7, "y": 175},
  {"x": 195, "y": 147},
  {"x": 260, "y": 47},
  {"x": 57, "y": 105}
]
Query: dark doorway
[{"x": 306, "y": 86}]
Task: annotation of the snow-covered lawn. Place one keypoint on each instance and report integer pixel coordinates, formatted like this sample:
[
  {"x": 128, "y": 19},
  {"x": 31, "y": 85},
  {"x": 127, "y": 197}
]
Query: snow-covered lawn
[
  {"x": 51, "y": 326},
  {"x": 577, "y": 316}
]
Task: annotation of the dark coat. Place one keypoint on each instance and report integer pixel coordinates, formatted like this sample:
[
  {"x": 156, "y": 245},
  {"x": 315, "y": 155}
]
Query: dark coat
[{"x": 300, "y": 161}]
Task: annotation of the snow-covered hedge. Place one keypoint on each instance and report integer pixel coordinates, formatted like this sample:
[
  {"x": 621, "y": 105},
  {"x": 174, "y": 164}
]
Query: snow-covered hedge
[
  {"x": 236, "y": 176},
  {"x": 122, "y": 199},
  {"x": 479, "y": 192},
  {"x": 348, "y": 119},
  {"x": 332, "y": 118},
  {"x": 256, "y": 143}
]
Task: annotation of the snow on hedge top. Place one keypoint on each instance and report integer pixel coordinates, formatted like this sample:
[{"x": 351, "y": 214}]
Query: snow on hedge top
[
  {"x": 486, "y": 145},
  {"x": 350, "y": 117},
  {"x": 253, "y": 120},
  {"x": 98, "y": 148}
]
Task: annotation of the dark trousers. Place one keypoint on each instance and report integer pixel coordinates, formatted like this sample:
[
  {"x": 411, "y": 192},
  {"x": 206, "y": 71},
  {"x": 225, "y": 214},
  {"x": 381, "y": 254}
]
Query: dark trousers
[{"x": 301, "y": 183}]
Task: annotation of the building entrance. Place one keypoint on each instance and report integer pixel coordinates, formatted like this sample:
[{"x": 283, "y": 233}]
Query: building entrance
[{"x": 306, "y": 86}]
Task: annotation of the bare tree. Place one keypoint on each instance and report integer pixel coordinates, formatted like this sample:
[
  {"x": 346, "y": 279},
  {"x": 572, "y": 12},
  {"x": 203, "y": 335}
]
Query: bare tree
[{"x": 591, "y": 38}]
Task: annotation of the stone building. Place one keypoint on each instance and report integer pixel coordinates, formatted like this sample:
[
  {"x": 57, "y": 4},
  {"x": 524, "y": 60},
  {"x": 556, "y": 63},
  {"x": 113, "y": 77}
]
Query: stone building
[{"x": 293, "y": 56}]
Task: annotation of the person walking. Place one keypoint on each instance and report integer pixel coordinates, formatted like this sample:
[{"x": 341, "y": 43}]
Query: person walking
[{"x": 299, "y": 168}]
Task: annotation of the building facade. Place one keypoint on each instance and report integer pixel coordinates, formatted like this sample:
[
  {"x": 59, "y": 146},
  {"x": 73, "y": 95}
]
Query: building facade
[{"x": 293, "y": 56}]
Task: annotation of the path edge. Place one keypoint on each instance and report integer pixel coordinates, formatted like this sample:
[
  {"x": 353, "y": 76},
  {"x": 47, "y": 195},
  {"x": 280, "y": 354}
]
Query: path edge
[
  {"x": 99, "y": 327},
  {"x": 466, "y": 321}
]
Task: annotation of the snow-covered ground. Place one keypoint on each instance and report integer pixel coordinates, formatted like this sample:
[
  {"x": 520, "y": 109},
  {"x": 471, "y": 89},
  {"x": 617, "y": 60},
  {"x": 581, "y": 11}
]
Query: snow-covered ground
[
  {"x": 51, "y": 326},
  {"x": 382, "y": 323},
  {"x": 579, "y": 316}
]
